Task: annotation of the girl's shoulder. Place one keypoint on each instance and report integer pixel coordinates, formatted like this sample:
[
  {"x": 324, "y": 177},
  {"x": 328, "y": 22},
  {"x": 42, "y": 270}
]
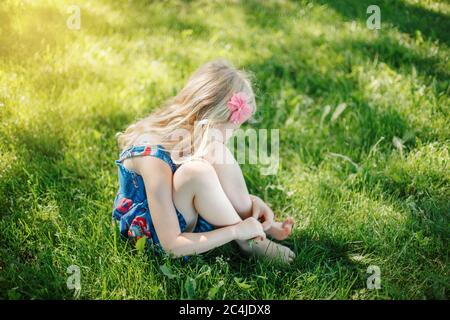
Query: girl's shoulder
[
  {"x": 143, "y": 154},
  {"x": 148, "y": 166}
]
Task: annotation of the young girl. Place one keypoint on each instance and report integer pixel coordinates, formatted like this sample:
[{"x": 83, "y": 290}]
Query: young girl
[{"x": 184, "y": 191}]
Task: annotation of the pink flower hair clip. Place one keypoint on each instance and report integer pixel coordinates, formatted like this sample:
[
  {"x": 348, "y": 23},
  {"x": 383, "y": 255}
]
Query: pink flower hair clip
[{"x": 240, "y": 110}]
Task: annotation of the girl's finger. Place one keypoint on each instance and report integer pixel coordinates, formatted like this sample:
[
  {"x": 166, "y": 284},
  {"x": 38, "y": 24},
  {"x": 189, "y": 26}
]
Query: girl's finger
[
  {"x": 255, "y": 212},
  {"x": 266, "y": 225}
]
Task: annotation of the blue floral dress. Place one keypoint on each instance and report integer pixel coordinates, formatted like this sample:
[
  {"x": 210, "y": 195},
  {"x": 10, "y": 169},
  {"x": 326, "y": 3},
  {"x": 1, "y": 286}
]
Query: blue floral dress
[{"x": 131, "y": 210}]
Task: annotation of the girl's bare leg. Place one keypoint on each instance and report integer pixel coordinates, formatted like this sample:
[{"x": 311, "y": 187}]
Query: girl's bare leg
[
  {"x": 197, "y": 191},
  {"x": 234, "y": 186}
]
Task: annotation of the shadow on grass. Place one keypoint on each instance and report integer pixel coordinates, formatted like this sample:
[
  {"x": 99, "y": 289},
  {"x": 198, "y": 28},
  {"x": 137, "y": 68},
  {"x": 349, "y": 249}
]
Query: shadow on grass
[
  {"x": 358, "y": 130},
  {"x": 399, "y": 57},
  {"x": 265, "y": 14},
  {"x": 406, "y": 17},
  {"x": 46, "y": 170},
  {"x": 165, "y": 18},
  {"x": 422, "y": 194},
  {"x": 46, "y": 151},
  {"x": 321, "y": 256}
]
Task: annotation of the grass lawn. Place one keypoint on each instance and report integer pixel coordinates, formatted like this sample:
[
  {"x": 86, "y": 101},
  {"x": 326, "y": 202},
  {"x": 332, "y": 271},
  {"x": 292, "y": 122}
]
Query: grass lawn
[{"x": 368, "y": 182}]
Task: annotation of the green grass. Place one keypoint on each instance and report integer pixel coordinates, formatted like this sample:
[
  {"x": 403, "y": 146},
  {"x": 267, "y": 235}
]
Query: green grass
[{"x": 371, "y": 187}]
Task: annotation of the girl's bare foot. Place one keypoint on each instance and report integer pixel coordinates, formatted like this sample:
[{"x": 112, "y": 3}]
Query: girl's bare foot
[
  {"x": 281, "y": 230},
  {"x": 270, "y": 249}
]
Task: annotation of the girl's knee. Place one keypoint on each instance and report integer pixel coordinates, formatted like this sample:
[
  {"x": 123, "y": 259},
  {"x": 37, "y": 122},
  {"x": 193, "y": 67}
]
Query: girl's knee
[{"x": 194, "y": 171}]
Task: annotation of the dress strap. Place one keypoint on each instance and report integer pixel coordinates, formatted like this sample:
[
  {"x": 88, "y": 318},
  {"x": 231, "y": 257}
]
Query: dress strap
[
  {"x": 138, "y": 151},
  {"x": 142, "y": 150}
]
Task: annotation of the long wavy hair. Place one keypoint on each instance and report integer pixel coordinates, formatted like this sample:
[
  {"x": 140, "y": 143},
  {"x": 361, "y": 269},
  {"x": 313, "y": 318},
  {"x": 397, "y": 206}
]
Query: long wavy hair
[{"x": 182, "y": 123}]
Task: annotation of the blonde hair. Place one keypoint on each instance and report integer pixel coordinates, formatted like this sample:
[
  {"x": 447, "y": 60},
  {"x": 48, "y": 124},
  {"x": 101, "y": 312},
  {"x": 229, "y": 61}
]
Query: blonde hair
[{"x": 200, "y": 105}]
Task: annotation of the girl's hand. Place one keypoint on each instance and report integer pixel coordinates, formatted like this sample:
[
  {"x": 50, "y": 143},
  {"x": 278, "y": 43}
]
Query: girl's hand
[
  {"x": 249, "y": 228},
  {"x": 262, "y": 212}
]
